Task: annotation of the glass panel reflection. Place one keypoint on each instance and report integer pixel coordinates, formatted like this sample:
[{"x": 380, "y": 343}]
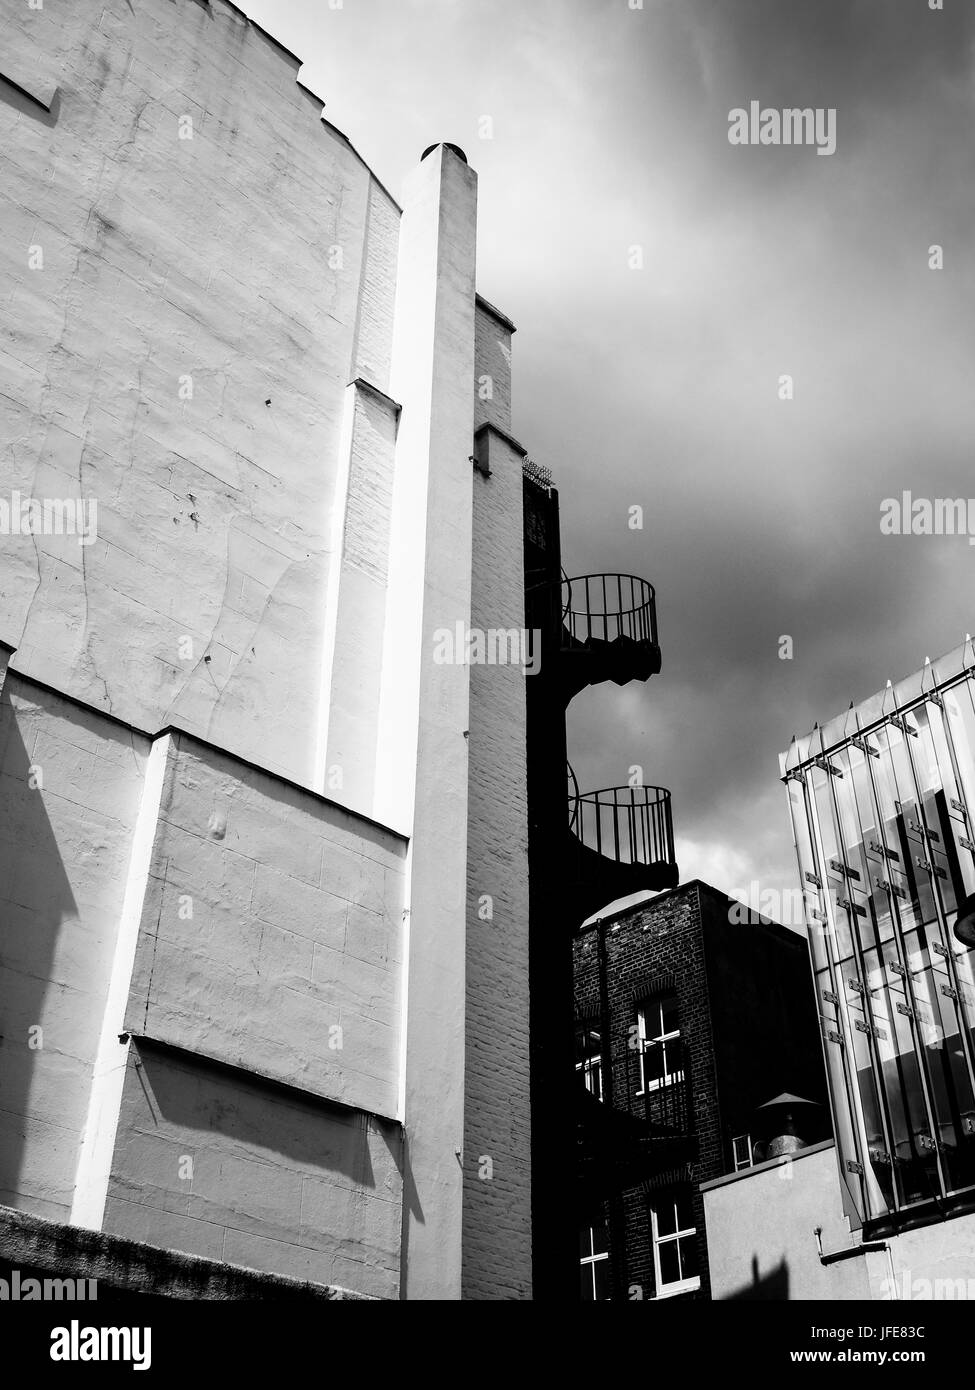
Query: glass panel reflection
[{"x": 884, "y": 839}]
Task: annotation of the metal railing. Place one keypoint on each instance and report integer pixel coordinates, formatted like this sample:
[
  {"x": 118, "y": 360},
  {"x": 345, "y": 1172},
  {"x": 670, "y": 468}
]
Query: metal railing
[
  {"x": 573, "y": 794},
  {"x": 606, "y": 607},
  {"x": 632, "y": 825},
  {"x": 536, "y": 473}
]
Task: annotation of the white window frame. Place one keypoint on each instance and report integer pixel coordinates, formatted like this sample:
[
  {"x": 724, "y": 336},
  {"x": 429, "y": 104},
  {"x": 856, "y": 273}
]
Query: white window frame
[
  {"x": 669, "y": 1078},
  {"x": 739, "y": 1165},
  {"x": 592, "y": 1067},
  {"x": 592, "y": 1259},
  {"x": 680, "y": 1285}
]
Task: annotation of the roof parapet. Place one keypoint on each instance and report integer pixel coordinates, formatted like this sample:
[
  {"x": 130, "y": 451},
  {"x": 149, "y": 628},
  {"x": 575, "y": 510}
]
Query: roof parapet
[{"x": 295, "y": 63}]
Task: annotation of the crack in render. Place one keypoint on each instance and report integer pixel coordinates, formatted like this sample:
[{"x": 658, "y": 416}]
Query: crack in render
[{"x": 155, "y": 943}]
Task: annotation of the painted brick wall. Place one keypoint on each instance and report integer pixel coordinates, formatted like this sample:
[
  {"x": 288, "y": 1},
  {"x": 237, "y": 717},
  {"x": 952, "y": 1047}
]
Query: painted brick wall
[
  {"x": 233, "y": 261},
  {"x": 295, "y": 930},
  {"x": 374, "y": 328},
  {"x": 492, "y": 370},
  {"x": 215, "y": 1163},
  {"x": 497, "y": 1120},
  {"x": 64, "y": 852},
  {"x": 360, "y": 580}
]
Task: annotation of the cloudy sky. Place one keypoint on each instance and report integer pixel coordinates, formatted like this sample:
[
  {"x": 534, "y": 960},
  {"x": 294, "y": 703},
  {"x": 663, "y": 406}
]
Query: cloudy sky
[{"x": 660, "y": 386}]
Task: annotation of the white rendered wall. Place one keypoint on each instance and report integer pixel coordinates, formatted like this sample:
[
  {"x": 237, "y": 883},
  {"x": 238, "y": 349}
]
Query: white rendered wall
[
  {"x": 216, "y": 1163},
  {"x": 216, "y": 349},
  {"x": 104, "y": 1100},
  {"x": 422, "y": 750},
  {"x": 935, "y": 1262},
  {"x": 271, "y": 919},
  {"x": 71, "y": 785},
  {"x": 761, "y": 1233},
  {"x": 181, "y": 355}
]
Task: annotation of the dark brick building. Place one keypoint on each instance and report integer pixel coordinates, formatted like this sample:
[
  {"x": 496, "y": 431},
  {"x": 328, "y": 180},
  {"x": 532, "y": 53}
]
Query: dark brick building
[{"x": 690, "y": 1014}]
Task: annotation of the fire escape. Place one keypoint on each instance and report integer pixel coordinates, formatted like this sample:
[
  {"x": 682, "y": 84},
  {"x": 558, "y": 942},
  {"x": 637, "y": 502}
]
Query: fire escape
[{"x": 613, "y": 843}]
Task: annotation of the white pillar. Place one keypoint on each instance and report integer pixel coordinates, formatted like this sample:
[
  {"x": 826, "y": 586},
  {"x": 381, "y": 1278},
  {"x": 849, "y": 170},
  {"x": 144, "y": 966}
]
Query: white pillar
[
  {"x": 108, "y": 1076},
  {"x": 421, "y": 762}
]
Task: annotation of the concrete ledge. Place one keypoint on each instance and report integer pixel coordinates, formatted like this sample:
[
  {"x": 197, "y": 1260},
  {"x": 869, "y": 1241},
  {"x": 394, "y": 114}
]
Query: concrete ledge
[
  {"x": 281, "y": 778},
  {"x": 487, "y": 429},
  {"x": 361, "y": 384},
  {"x": 254, "y": 1076},
  {"x": 295, "y": 63},
  {"x": 316, "y": 101},
  {"x": 769, "y": 1163},
  {"x": 488, "y": 308},
  {"x": 31, "y": 1243},
  {"x": 292, "y": 57},
  {"x": 43, "y": 94}
]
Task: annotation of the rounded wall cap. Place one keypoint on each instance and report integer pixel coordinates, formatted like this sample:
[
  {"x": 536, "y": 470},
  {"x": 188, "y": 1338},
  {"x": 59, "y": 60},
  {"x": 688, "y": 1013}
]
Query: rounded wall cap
[
  {"x": 784, "y": 1144},
  {"x": 447, "y": 146}
]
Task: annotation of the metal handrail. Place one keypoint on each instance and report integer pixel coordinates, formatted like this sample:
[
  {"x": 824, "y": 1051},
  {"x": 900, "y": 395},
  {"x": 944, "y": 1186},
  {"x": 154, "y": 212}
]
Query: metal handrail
[
  {"x": 632, "y": 825},
  {"x": 573, "y": 794},
  {"x": 605, "y": 607}
]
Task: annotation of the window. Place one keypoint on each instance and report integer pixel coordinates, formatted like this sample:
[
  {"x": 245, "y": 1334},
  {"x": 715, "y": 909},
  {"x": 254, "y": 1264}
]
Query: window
[
  {"x": 594, "y": 1264},
  {"x": 658, "y": 1025},
  {"x": 674, "y": 1245},
  {"x": 589, "y": 1061},
  {"x": 741, "y": 1152}
]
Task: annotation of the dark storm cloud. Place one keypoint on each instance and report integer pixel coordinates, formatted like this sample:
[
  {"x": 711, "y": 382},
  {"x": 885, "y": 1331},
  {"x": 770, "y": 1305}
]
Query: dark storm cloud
[
  {"x": 764, "y": 515},
  {"x": 658, "y": 387}
]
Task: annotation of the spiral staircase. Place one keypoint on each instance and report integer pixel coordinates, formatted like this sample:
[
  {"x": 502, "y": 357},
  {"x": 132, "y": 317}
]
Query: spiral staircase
[{"x": 605, "y": 845}]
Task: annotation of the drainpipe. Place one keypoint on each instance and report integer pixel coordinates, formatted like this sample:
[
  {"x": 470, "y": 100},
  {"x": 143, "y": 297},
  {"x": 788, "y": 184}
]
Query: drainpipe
[{"x": 868, "y": 1247}]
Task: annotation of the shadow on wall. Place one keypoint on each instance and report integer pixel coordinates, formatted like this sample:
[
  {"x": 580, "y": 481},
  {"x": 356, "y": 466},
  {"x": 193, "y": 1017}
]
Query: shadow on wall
[
  {"x": 28, "y": 105},
  {"x": 35, "y": 902},
  {"x": 179, "y": 1094},
  {"x": 216, "y": 1162},
  {"x": 766, "y": 1288}
]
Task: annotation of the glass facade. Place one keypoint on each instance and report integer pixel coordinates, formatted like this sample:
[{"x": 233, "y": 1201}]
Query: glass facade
[{"x": 882, "y": 804}]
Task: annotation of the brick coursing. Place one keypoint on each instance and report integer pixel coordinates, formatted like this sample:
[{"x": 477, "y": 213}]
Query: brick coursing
[
  {"x": 374, "y": 323},
  {"x": 492, "y": 359},
  {"x": 497, "y": 1119}
]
